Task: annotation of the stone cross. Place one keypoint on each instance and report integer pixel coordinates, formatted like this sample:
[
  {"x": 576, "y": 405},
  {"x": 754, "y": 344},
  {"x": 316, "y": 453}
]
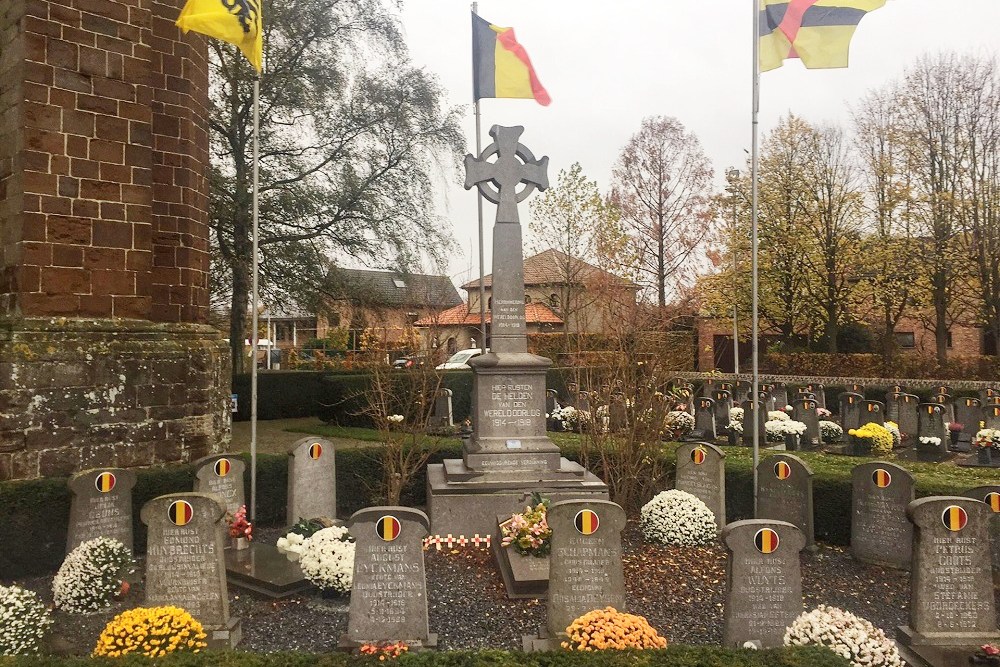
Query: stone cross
[{"x": 498, "y": 180}]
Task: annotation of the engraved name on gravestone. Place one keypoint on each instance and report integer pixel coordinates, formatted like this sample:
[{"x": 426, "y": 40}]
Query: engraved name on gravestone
[
  {"x": 585, "y": 566},
  {"x": 312, "y": 480},
  {"x": 880, "y": 532},
  {"x": 701, "y": 471},
  {"x": 185, "y": 564},
  {"x": 784, "y": 493},
  {"x": 804, "y": 410},
  {"x": 389, "y": 592},
  {"x": 101, "y": 506},
  {"x": 763, "y": 581},
  {"x": 222, "y": 475},
  {"x": 704, "y": 418},
  {"x": 951, "y": 601},
  {"x": 850, "y": 410},
  {"x": 990, "y": 495}
]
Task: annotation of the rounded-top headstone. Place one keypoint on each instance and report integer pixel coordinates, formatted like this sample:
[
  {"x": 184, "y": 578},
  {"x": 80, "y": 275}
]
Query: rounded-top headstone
[
  {"x": 990, "y": 494},
  {"x": 223, "y": 475},
  {"x": 701, "y": 471},
  {"x": 312, "y": 480},
  {"x": 101, "y": 506},
  {"x": 784, "y": 493},
  {"x": 880, "y": 532}
]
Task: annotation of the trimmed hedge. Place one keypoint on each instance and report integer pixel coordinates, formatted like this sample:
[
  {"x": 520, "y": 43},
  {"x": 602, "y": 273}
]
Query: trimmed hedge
[{"x": 673, "y": 656}]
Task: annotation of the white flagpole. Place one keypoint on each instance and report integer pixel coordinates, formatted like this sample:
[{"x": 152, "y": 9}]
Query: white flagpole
[
  {"x": 753, "y": 244},
  {"x": 479, "y": 204},
  {"x": 256, "y": 297}
]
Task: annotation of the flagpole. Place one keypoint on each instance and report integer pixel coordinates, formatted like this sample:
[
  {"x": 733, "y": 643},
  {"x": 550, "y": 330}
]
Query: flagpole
[
  {"x": 479, "y": 205},
  {"x": 256, "y": 298},
  {"x": 753, "y": 245}
]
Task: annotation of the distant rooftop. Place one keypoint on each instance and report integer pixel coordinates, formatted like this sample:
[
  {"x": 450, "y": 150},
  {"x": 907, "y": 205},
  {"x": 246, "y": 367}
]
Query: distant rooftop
[
  {"x": 391, "y": 288},
  {"x": 549, "y": 268}
]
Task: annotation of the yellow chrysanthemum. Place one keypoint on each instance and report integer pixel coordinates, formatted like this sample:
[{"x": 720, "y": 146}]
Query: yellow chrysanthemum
[{"x": 132, "y": 631}]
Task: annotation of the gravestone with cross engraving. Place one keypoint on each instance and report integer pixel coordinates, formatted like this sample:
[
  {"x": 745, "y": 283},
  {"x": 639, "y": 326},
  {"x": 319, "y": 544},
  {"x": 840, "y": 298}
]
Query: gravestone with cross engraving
[
  {"x": 509, "y": 454},
  {"x": 221, "y": 474},
  {"x": 880, "y": 532},
  {"x": 990, "y": 495},
  {"x": 312, "y": 480},
  {"x": 701, "y": 471},
  {"x": 704, "y": 419},
  {"x": 784, "y": 493},
  {"x": 101, "y": 506},
  {"x": 804, "y": 410}
]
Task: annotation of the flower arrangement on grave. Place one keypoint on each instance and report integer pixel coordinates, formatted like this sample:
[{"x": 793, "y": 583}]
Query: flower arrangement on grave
[
  {"x": 893, "y": 429},
  {"x": 777, "y": 415},
  {"x": 150, "y": 631},
  {"x": 327, "y": 559},
  {"x": 528, "y": 532},
  {"x": 678, "y": 518},
  {"x": 987, "y": 438},
  {"x": 567, "y": 414},
  {"x": 239, "y": 527},
  {"x": 24, "y": 621},
  {"x": 735, "y": 427},
  {"x": 291, "y": 544},
  {"x": 876, "y": 436},
  {"x": 736, "y": 414},
  {"x": 987, "y": 654},
  {"x": 775, "y": 430},
  {"x": 830, "y": 431},
  {"x": 609, "y": 628},
  {"x": 929, "y": 440},
  {"x": 92, "y": 575},
  {"x": 847, "y": 635},
  {"x": 955, "y": 427},
  {"x": 384, "y": 651},
  {"x": 678, "y": 422}
]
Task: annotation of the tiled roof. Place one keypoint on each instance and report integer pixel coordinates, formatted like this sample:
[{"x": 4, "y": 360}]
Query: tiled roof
[
  {"x": 396, "y": 289},
  {"x": 534, "y": 313},
  {"x": 549, "y": 268}
]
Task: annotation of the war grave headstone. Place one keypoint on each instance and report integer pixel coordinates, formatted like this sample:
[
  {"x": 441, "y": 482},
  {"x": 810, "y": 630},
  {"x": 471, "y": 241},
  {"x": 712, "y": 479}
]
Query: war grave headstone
[
  {"x": 968, "y": 413},
  {"x": 583, "y": 404},
  {"x": 855, "y": 388},
  {"x": 780, "y": 393},
  {"x": 850, "y": 410},
  {"x": 101, "y": 506},
  {"x": 947, "y": 406},
  {"x": 804, "y": 410},
  {"x": 880, "y": 532},
  {"x": 723, "y": 405},
  {"x": 766, "y": 400},
  {"x": 508, "y": 455},
  {"x": 441, "y": 411},
  {"x": 704, "y": 420},
  {"x": 892, "y": 400},
  {"x": 894, "y": 389},
  {"x": 221, "y": 474},
  {"x": 748, "y": 424},
  {"x": 741, "y": 391},
  {"x": 784, "y": 493},
  {"x": 572, "y": 394},
  {"x": 819, "y": 391},
  {"x": 585, "y": 566},
  {"x": 944, "y": 389},
  {"x": 990, "y": 495},
  {"x": 184, "y": 561},
  {"x": 389, "y": 591},
  {"x": 991, "y": 415},
  {"x": 707, "y": 387},
  {"x": 992, "y": 400},
  {"x": 617, "y": 413},
  {"x": 701, "y": 471},
  {"x": 987, "y": 393},
  {"x": 908, "y": 416},
  {"x": 763, "y": 581},
  {"x": 725, "y": 386},
  {"x": 931, "y": 425},
  {"x": 952, "y": 606},
  {"x": 312, "y": 480}
]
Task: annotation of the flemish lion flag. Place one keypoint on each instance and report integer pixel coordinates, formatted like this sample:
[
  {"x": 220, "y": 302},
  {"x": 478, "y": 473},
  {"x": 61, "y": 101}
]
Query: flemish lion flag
[
  {"x": 500, "y": 66},
  {"x": 818, "y": 32},
  {"x": 238, "y": 22}
]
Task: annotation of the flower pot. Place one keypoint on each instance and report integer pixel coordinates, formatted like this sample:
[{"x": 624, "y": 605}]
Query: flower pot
[
  {"x": 985, "y": 456},
  {"x": 239, "y": 543},
  {"x": 955, "y": 435}
]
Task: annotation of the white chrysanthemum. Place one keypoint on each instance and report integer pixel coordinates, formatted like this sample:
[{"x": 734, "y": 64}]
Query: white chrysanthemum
[
  {"x": 291, "y": 545},
  {"x": 775, "y": 430},
  {"x": 678, "y": 518},
  {"x": 845, "y": 634},
  {"x": 24, "y": 621},
  {"x": 679, "y": 420},
  {"x": 736, "y": 414},
  {"x": 777, "y": 415},
  {"x": 327, "y": 559},
  {"x": 91, "y": 575},
  {"x": 830, "y": 431}
]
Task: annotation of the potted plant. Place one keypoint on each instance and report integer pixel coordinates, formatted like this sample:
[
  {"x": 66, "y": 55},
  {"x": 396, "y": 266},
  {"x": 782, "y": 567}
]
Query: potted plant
[
  {"x": 240, "y": 530},
  {"x": 987, "y": 445},
  {"x": 871, "y": 439},
  {"x": 528, "y": 532},
  {"x": 955, "y": 431},
  {"x": 988, "y": 654}
]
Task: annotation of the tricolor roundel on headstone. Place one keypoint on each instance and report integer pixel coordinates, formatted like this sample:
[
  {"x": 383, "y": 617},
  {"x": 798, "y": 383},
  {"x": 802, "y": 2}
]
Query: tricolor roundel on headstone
[
  {"x": 698, "y": 455},
  {"x": 882, "y": 478},
  {"x": 387, "y": 528},
  {"x": 766, "y": 541},
  {"x": 105, "y": 482},
  {"x": 993, "y": 500},
  {"x": 587, "y": 522},
  {"x": 180, "y": 512},
  {"x": 315, "y": 451},
  {"x": 222, "y": 467},
  {"x": 782, "y": 470},
  {"x": 954, "y": 518}
]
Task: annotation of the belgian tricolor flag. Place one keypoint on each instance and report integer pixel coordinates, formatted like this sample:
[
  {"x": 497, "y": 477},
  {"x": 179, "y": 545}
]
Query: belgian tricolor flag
[
  {"x": 222, "y": 467},
  {"x": 954, "y": 518},
  {"x": 587, "y": 522},
  {"x": 993, "y": 500},
  {"x": 698, "y": 455},
  {"x": 315, "y": 450},
  {"x": 105, "y": 482},
  {"x": 387, "y": 528},
  {"x": 782, "y": 470},
  {"x": 180, "y": 512},
  {"x": 500, "y": 66},
  {"x": 766, "y": 541},
  {"x": 882, "y": 478}
]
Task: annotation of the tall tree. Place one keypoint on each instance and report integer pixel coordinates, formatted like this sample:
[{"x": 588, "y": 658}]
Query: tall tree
[
  {"x": 351, "y": 133},
  {"x": 661, "y": 184}
]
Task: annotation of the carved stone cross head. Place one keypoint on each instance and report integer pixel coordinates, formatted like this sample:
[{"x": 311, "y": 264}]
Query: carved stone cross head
[{"x": 514, "y": 164}]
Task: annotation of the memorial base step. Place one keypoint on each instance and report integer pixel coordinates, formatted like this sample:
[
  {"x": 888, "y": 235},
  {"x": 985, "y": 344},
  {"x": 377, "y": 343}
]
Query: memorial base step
[
  {"x": 952, "y": 650},
  {"x": 540, "y": 642},
  {"x": 225, "y": 638},
  {"x": 415, "y": 645},
  {"x": 265, "y": 570}
]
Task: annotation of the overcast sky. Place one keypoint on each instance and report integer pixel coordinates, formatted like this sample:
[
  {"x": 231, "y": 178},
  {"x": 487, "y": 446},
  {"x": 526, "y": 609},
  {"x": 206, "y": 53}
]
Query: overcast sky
[{"x": 609, "y": 64}]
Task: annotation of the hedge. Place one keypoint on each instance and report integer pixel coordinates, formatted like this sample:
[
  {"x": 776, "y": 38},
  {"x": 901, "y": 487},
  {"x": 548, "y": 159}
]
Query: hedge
[
  {"x": 818, "y": 364},
  {"x": 673, "y": 656}
]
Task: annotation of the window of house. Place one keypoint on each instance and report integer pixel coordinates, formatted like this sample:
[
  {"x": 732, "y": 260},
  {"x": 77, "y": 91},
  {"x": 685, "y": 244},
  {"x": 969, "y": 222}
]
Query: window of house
[
  {"x": 334, "y": 319},
  {"x": 905, "y": 339},
  {"x": 489, "y": 303},
  {"x": 948, "y": 336},
  {"x": 399, "y": 282}
]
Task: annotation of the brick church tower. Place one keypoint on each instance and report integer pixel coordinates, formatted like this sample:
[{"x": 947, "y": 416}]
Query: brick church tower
[{"x": 105, "y": 354}]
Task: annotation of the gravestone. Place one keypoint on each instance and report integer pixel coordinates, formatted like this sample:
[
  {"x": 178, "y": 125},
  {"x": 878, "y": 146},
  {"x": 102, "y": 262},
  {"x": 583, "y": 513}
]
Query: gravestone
[
  {"x": 948, "y": 408},
  {"x": 185, "y": 565},
  {"x": 804, "y": 410},
  {"x": 763, "y": 581},
  {"x": 222, "y": 475},
  {"x": 951, "y": 600},
  {"x": 931, "y": 425},
  {"x": 909, "y": 416},
  {"x": 617, "y": 413},
  {"x": 784, "y": 493},
  {"x": 817, "y": 389},
  {"x": 855, "y": 388},
  {"x": 701, "y": 471},
  {"x": 101, "y": 506},
  {"x": 991, "y": 415},
  {"x": 312, "y": 480},
  {"x": 704, "y": 419},
  {"x": 986, "y": 393},
  {"x": 572, "y": 394},
  {"x": 748, "y": 424},
  {"x": 968, "y": 413},
  {"x": 892, "y": 406},
  {"x": 991, "y": 496},
  {"x": 441, "y": 414},
  {"x": 850, "y": 410},
  {"x": 725, "y": 386},
  {"x": 780, "y": 394},
  {"x": 389, "y": 591},
  {"x": 583, "y": 402},
  {"x": 723, "y": 404},
  {"x": 944, "y": 389},
  {"x": 766, "y": 400},
  {"x": 585, "y": 567},
  {"x": 707, "y": 387},
  {"x": 741, "y": 391},
  {"x": 880, "y": 532},
  {"x": 872, "y": 412}
]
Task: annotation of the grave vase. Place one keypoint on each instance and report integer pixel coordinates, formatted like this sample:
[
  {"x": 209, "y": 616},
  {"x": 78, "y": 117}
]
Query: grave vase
[
  {"x": 239, "y": 543},
  {"x": 955, "y": 435}
]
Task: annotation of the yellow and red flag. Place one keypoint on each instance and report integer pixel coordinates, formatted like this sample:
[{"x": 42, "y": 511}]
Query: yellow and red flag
[
  {"x": 587, "y": 522},
  {"x": 818, "y": 32},
  {"x": 238, "y": 22},
  {"x": 766, "y": 541},
  {"x": 500, "y": 66},
  {"x": 388, "y": 528},
  {"x": 180, "y": 512},
  {"x": 105, "y": 482},
  {"x": 954, "y": 518}
]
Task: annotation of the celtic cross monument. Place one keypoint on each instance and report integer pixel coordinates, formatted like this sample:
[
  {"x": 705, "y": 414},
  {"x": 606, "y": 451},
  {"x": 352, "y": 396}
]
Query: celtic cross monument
[{"x": 508, "y": 455}]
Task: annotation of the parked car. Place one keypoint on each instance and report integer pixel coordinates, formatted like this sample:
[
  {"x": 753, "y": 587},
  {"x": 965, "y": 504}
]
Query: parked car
[
  {"x": 409, "y": 361},
  {"x": 460, "y": 359}
]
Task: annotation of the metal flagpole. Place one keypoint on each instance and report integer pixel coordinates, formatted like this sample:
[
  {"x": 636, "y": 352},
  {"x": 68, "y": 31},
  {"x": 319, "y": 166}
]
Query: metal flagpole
[
  {"x": 753, "y": 245},
  {"x": 479, "y": 204},
  {"x": 254, "y": 333}
]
